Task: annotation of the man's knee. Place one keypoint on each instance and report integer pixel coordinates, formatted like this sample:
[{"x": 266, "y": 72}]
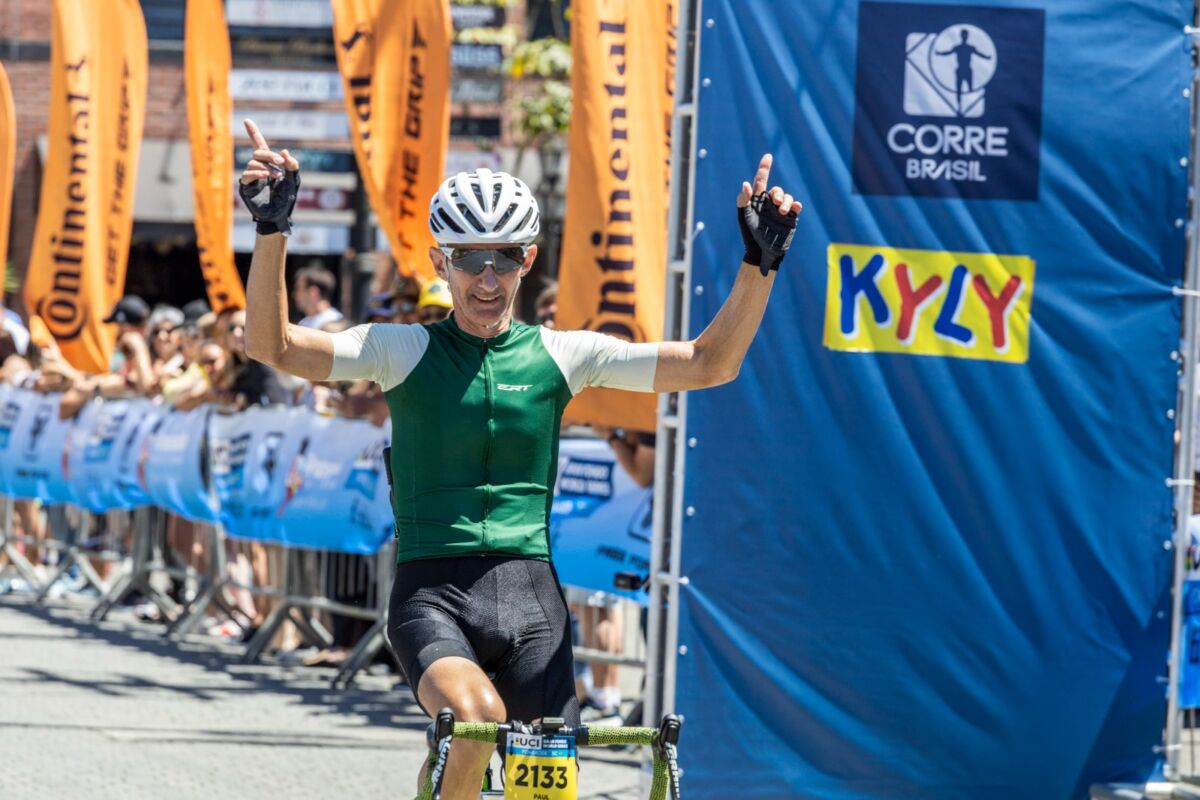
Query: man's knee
[
  {"x": 478, "y": 706},
  {"x": 462, "y": 687}
]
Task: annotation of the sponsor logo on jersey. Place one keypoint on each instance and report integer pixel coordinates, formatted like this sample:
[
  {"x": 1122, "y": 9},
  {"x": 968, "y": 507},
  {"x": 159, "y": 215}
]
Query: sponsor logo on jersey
[
  {"x": 513, "y": 387},
  {"x": 948, "y": 101},
  {"x": 929, "y": 302}
]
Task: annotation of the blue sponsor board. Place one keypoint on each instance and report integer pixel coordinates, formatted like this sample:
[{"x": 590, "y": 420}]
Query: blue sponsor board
[{"x": 948, "y": 101}]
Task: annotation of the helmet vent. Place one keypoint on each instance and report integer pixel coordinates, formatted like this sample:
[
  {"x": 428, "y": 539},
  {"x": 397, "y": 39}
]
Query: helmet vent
[
  {"x": 471, "y": 218},
  {"x": 446, "y": 218},
  {"x": 505, "y": 217}
]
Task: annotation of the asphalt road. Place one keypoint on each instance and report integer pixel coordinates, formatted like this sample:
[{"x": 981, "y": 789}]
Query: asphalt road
[{"x": 115, "y": 712}]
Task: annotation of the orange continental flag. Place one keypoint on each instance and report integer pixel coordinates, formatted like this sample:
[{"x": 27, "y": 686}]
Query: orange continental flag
[
  {"x": 8, "y": 157},
  {"x": 206, "y": 63},
  {"x": 394, "y": 59},
  {"x": 97, "y": 105},
  {"x": 614, "y": 253}
]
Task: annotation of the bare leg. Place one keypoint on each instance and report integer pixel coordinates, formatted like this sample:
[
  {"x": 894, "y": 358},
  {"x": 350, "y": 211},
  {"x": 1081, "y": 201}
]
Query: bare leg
[
  {"x": 460, "y": 685},
  {"x": 32, "y": 525},
  {"x": 260, "y": 563},
  {"x": 610, "y": 632}
]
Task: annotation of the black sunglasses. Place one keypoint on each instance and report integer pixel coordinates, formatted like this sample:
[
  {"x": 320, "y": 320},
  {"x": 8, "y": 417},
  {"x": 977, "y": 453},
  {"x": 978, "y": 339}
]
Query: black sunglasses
[{"x": 474, "y": 262}]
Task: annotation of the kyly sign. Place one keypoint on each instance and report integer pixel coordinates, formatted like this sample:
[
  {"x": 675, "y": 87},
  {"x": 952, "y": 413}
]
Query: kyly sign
[{"x": 929, "y": 302}]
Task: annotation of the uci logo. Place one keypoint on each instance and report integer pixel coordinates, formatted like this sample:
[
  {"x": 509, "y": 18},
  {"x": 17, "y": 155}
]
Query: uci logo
[{"x": 948, "y": 101}]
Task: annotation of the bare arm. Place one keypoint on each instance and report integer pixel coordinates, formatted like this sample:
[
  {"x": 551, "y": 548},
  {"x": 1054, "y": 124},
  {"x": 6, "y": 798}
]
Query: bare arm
[
  {"x": 270, "y": 338},
  {"x": 715, "y": 356}
]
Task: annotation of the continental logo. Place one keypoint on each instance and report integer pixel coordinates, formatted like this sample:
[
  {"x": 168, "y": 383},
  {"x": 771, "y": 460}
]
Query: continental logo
[
  {"x": 62, "y": 307},
  {"x": 929, "y": 302}
]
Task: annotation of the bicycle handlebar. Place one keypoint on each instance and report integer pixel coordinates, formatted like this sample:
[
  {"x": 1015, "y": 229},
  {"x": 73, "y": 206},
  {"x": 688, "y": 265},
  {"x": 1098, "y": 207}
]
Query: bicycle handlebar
[{"x": 663, "y": 741}]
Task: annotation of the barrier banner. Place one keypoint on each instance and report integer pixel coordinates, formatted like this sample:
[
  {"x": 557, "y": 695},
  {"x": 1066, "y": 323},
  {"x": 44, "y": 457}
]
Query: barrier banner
[
  {"x": 10, "y": 411},
  {"x": 76, "y": 270},
  {"x": 82, "y": 425},
  {"x": 206, "y": 65},
  {"x": 133, "y": 452},
  {"x": 8, "y": 163},
  {"x": 614, "y": 237},
  {"x": 172, "y": 465},
  {"x": 289, "y": 475},
  {"x": 395, "y": 64},
  {"x": 33, "y": 443},
  {"x": 924, "y": 529},
  {"x": 97, "y": 443},
  {"x": 600, "y": 520},
  {"x": 336, "y": 492},
  {"x": 250, "y": 454}
]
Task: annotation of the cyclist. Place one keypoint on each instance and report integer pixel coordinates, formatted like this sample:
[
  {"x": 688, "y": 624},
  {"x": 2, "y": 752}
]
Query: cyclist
[{"x": 477, "y": 616}]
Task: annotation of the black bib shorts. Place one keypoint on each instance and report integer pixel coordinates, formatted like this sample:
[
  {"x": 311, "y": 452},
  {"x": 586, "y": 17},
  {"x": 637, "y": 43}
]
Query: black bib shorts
[{"x": 506, "y": 614}]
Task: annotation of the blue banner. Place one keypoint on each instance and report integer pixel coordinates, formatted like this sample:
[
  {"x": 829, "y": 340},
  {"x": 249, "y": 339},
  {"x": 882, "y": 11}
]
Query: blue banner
[
  {"x": 288, "y": 475},
  {"x": 926, "y": 525},
  {"x": 335, "y": 492},
  {"x": 251, "y": 453},
  {"x": 132, "y": 453},
  {"x": 600, "y": 521},
  {"x": 172, "y": 465},
  {"x": 98, "y": 441},
  {"x": 33, "y": 445}
]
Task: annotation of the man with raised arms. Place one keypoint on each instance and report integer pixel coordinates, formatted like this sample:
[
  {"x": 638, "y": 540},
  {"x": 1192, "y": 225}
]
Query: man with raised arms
[{"x": 477, "y": 617}]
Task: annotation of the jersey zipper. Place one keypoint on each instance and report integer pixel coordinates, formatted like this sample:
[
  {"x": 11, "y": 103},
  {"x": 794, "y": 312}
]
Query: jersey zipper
[{"x": 490, "y": 404}]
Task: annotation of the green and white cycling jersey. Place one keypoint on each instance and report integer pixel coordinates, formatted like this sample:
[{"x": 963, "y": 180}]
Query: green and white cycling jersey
[{"x": 475, "y": 425}]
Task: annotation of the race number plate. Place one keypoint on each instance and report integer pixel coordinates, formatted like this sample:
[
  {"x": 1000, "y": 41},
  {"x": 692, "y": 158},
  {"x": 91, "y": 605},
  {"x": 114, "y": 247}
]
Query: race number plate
[{"x": 540, "y": 768}]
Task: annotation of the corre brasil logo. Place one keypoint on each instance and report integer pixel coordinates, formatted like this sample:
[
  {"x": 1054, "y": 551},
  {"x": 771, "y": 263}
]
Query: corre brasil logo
[{"x": 965, "y": 119}]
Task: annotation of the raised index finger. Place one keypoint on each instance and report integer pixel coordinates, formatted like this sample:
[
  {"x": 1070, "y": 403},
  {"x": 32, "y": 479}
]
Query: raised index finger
[
  {"x": 260, "y": 141},
  {"x": 764, "y": 172}
]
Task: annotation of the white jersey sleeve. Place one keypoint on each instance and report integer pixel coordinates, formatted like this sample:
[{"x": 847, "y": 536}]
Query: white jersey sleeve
[
  {"x": 587, "y": 358},
  {"x": 380, "y": 352}
]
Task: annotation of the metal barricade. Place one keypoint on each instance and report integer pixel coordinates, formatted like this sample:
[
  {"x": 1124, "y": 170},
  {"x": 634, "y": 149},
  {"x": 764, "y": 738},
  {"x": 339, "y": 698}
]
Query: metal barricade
[
  {"x": 304, "y": 586},
  {"x": 73, "y": 537},
  {"x": 610, "y": 635},
  {"x": 149, "y": 556}
]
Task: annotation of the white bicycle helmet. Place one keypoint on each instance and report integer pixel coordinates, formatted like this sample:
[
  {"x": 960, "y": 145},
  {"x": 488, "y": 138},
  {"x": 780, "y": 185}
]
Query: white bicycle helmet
[{"x": 483, "y": 207}]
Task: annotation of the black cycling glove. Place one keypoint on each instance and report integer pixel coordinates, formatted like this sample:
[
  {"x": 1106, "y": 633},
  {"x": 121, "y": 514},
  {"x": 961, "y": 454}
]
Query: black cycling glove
[
  {"x": 766, "y": 232},
  {"x": 271, "y": 202}
]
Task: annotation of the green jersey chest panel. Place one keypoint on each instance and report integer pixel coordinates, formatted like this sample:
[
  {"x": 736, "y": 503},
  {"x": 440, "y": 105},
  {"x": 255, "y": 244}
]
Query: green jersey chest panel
[{"x": 475, "y": 445}]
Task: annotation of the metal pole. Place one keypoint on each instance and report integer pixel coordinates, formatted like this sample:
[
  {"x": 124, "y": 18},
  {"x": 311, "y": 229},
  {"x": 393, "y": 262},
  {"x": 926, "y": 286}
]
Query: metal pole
[
  {"x": 666, "y": 545},
  {"x": 362, "y": 240},
  {"x": 1185, "y": 454}
]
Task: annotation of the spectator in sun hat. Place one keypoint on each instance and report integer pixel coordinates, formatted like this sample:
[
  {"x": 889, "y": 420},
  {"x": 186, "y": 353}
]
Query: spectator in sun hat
[
  {"x": 434, "y": 304},
  {"x": 131, "y": 311},
  {"x": 194, "y": 311},
  {"x": 131, "y": 360}
]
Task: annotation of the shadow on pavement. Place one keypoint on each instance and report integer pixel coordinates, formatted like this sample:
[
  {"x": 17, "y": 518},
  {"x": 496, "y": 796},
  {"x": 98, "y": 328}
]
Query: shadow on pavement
[{"x": 388, "y": 708}]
